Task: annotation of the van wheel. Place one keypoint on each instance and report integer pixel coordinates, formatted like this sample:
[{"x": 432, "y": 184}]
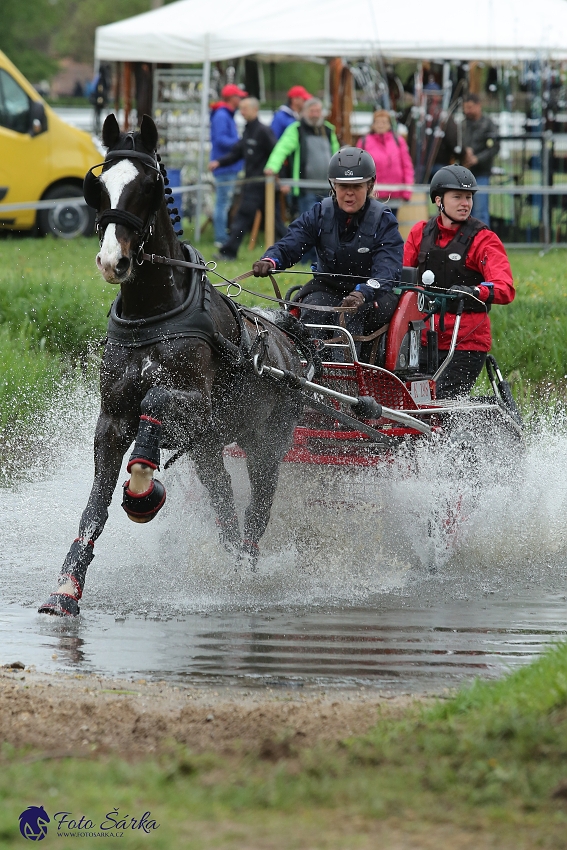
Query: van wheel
[{"x": 66, "y": 220}]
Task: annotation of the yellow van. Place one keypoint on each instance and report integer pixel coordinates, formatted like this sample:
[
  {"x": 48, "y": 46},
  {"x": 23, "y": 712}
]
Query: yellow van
[{"x": 41, "y": 158}]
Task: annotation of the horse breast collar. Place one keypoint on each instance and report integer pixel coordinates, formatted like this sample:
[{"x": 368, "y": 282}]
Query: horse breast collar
[{"x": 190, "y": 319}]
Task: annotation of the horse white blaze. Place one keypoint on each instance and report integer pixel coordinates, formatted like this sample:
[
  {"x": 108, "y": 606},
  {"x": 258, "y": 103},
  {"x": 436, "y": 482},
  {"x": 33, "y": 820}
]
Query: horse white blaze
[{"x": 114, "y": 181}]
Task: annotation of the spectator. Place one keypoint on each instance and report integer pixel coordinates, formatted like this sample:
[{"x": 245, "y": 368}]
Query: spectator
[
  {"x": 391, "y": 157},
  {"x": 98, "y": 94},
  {"x": 255, "y": 146},
  {"x": 480, "y": 146},
  {"x": 290, "y": 112},
  {"x": 223, "y": 136},
  {"x": 310, "y": 142}
]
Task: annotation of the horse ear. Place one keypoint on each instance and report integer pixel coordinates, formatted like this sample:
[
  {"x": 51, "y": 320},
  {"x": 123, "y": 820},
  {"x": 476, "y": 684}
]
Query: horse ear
[
  {"x": 149, "y": 133},
  {"x": 110, "y": 131}
]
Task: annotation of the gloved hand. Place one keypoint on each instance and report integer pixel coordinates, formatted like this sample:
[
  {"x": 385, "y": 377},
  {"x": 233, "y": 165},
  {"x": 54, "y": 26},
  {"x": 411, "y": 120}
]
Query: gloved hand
[
  {"x": 262, "y": 268},
  {"x": 353, "y": 299},
  {"x": 465, "y": 290}
]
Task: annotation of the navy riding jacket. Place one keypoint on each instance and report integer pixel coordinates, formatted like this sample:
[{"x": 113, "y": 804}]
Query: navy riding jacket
[{"x": 367, "y": 244}]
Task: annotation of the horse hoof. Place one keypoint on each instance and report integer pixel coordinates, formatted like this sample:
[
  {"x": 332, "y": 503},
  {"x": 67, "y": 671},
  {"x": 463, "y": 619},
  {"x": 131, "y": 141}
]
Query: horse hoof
[
  {"x": 249, "y": 554},
  {"x": 60, "y": 605},
  {"x": 229, "y": 534},
  {"x": 142, "y": 507}
]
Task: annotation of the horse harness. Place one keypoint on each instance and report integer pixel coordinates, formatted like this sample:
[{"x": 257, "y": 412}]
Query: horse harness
[{"x": 192, "y": 318}]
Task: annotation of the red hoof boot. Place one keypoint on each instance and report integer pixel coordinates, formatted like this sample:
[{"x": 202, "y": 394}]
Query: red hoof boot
[
  {"x": 60, "y": 605},
  {"x": 250, "y": 552},
  {"x": 142, "y": 507}
]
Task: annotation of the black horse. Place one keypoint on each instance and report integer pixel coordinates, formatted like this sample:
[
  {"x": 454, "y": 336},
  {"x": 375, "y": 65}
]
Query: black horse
[{"x": 177, "y": 368}]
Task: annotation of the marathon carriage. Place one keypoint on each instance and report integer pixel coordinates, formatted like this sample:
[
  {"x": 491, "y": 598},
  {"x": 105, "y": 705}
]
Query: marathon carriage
[
  {"x": 382, "y": 476},
  {"x": 360, "y": 409}
]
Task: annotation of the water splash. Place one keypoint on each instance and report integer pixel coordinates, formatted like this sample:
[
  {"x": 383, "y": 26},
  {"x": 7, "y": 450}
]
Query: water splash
[{"x": 431, "y": 524}]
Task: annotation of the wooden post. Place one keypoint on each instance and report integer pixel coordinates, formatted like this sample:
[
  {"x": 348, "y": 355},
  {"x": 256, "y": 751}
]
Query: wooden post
[
  {"x": 346, "y": 92},
  {"x": 335, "y": 68},
  {"x": 117, "y": 89},
  {"x": 270, "y": 211},
  {"x": 475, "y": 77},
  {"x": 127, "y": 94},
  {"x": 341, "y": 85},
  {"x": 255, "y": 230}
]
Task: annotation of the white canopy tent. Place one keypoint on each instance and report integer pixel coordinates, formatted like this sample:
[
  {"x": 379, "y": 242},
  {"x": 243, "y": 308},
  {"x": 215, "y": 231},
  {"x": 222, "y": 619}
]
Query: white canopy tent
[
  {"x": 193, "y": 31},
  {"x": 198, "y": 32}
]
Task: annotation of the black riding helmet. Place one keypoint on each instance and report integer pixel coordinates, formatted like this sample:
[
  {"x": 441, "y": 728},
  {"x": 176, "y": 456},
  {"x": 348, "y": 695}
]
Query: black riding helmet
[
  {"x": 351, "y": 165},
  {"x": 452, "y": 177}
]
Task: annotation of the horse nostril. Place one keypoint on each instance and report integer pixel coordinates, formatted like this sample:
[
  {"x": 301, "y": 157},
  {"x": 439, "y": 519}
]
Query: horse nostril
[{"x": 122, "y": 266}]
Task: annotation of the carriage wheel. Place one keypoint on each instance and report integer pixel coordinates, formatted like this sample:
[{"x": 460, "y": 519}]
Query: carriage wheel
[{"x": 66, "y": 220}]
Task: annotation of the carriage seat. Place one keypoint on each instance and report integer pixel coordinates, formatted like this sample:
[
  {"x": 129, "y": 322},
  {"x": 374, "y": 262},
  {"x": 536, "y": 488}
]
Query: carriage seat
[{"x": 390, "y": 346}]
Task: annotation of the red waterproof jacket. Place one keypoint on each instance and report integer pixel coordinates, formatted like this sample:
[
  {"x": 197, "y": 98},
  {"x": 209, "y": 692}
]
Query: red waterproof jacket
[{"x": 486, "y": 255}]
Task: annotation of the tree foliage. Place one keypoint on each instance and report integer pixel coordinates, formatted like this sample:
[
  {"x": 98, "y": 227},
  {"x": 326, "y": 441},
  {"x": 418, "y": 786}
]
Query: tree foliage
[
  {"x": 25, "y": 35},
  {"x": 35, "y": 34}
]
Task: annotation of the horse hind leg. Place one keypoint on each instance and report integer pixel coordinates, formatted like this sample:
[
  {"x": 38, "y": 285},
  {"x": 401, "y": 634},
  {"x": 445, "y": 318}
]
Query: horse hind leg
[
  {"x": 214, "y": 477},
  {"x": 144, "y": 496},
  {"x": 263, "y": 472}
]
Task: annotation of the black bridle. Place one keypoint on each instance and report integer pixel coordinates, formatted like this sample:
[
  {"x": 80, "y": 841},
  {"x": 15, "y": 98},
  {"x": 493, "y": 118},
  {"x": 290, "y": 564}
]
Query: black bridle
[{"x": 93, "y": 193}]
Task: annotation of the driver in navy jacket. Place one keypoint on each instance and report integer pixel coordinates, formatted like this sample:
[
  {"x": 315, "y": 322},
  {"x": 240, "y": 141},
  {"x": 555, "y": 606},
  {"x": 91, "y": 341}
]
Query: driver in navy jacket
[{"x": 357, "y": 240}]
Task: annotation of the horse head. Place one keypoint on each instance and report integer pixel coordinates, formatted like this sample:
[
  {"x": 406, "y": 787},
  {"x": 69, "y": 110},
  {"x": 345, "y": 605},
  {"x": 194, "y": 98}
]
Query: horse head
[{"x": 127, "y": 196}]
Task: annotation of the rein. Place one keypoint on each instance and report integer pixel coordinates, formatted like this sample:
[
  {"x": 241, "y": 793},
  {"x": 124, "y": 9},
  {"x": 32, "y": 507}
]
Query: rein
[{"x": 156, "y": 259}]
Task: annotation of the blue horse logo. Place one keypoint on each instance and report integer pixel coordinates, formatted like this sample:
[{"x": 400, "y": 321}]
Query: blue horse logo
[{"x": 33, "y": 823}]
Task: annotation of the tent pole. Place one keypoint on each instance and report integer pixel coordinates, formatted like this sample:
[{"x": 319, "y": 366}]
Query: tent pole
[{"x": 202, "y": 136}]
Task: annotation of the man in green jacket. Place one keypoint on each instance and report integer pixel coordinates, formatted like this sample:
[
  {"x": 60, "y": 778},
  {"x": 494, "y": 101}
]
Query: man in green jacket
[{"x": 308, "y": 144}]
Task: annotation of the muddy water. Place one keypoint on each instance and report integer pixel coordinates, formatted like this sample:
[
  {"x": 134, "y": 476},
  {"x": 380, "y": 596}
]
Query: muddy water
[{"x": 412, "y": 578}]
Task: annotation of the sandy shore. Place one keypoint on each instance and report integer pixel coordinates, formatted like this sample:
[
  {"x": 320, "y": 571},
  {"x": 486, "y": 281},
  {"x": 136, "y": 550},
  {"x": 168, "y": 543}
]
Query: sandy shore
[{"x": 135, "y": 718}]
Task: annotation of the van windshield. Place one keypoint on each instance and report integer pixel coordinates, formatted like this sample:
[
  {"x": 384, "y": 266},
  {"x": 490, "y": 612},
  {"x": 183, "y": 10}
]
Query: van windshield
[{"x": 14, "y": 105}]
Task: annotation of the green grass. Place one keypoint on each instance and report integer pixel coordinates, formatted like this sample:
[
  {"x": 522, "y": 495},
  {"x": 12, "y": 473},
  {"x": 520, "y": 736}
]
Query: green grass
[
  {"x": 530, "y": 335},
  {"x": 53, "y": 307},
  {"x": 52, "y": 287},
  {"x": 492, "y": 760}
]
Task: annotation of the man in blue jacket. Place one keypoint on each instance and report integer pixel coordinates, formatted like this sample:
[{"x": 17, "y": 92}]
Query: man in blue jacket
[
  {"x": 224, "y": 135},
  {"x": 358, "y": 244},
  {"x": 290, "y": 111}
]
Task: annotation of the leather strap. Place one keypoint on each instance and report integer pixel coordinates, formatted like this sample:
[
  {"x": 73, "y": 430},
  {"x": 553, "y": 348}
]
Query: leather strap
[{"x": 157, "y": 259}]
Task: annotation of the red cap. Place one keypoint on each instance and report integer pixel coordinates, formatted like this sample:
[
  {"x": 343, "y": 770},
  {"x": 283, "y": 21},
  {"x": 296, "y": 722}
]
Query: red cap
[
  {"x": 299, "y": 91},
  {"x": 233, "y": 91}
]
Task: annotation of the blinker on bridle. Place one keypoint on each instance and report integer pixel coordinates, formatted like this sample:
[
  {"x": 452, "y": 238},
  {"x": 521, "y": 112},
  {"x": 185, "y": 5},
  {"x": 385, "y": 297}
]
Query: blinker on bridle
[{"x": 92, "y": 192}]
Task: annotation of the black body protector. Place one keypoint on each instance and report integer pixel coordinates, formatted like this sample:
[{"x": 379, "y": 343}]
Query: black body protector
[
  {"x": 448, "y": 263},
  {"x": 349, "y": 255}
]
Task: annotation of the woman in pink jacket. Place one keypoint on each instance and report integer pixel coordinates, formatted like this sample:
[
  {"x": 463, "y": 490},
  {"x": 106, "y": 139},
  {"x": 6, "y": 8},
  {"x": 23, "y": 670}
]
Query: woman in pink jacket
[{"x": 393, "y": 162}]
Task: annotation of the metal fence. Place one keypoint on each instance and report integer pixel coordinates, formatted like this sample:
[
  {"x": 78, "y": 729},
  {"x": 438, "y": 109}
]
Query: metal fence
[{"x": 528, "y": 195}]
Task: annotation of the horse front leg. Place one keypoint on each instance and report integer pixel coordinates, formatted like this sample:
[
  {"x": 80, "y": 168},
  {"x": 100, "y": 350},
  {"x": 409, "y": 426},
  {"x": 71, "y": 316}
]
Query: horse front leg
[
  {"x": 144, "y": 495},
  {"x": 109, "y": 449}
]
